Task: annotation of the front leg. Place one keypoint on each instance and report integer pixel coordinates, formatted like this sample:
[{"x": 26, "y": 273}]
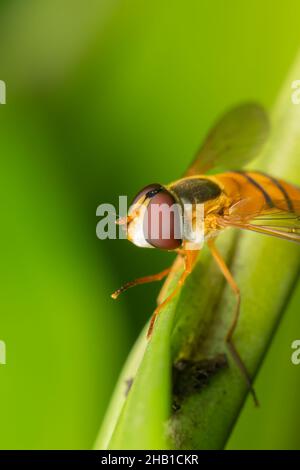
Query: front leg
[
  {"x": 140, "y": 280},
  {"x": 177, "y": 264},
  {"x": 190, "y": 258}
]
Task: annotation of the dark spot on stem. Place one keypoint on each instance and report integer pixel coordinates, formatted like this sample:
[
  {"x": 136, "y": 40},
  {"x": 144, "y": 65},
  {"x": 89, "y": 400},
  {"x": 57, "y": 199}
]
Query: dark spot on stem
[
  {"x": 189, "y": 376},
  {"x": 128, "y": 384}
]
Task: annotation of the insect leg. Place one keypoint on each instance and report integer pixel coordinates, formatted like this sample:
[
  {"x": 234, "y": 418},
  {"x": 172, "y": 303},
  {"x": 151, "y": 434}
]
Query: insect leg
[
  {"x": 174, "y": 268},
  {"x": 141, "y": 280},
  {"x": 234, "y": 352},
  {"x": 190, "y": 258}
]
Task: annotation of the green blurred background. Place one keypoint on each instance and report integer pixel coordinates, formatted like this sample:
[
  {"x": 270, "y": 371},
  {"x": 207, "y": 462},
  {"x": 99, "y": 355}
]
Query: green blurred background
[{"x": 104, "y": 97}]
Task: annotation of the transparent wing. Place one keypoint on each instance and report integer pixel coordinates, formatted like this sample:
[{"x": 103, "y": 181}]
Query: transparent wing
[
  {"x": 234, "y": 140},
  {"x": 278, "y": 222}
]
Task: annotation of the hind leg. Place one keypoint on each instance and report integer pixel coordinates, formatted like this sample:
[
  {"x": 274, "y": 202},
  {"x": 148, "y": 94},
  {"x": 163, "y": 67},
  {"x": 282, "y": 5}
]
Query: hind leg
[{"x": 229, "y": 340}]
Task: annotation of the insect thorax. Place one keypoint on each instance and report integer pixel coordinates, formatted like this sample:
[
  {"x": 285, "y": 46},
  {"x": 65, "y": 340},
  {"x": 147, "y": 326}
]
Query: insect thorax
[
  {"x": 195, "y": 190},
  {"x": 201, "y": 199}
]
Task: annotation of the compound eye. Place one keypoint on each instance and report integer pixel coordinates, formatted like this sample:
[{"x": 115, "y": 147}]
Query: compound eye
[
  {"x": 147, "y": 189},
  {"x": 162, "y": 222}
]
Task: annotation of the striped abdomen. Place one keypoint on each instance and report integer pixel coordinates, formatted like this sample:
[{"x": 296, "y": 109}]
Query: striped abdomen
[{"x": 260, "y": 191}]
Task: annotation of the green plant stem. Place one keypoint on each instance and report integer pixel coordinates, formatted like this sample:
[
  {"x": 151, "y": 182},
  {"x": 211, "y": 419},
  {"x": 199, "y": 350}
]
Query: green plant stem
[
  {"x": 266, "y": 270},
  {"x": 121, "y": 391},
  {"x": 142, "y": 419}
]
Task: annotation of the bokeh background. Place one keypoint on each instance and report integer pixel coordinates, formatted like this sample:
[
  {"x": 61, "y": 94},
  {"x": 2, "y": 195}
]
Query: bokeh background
[{"x": 104, "y": 97}]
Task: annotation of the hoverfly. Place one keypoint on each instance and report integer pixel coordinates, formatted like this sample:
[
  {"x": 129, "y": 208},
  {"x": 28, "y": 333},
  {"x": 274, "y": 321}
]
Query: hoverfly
[{"x": 248, "y": 200}]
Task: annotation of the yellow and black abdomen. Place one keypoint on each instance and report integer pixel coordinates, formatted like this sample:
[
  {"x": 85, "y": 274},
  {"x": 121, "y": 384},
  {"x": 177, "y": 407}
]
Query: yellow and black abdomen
[{"x": 260, "y": 191}]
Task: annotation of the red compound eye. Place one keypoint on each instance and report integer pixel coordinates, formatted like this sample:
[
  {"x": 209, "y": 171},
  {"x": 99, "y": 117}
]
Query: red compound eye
[
  {"x": 162, "y": 223},
  {"x": 147, "y": 189}
]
